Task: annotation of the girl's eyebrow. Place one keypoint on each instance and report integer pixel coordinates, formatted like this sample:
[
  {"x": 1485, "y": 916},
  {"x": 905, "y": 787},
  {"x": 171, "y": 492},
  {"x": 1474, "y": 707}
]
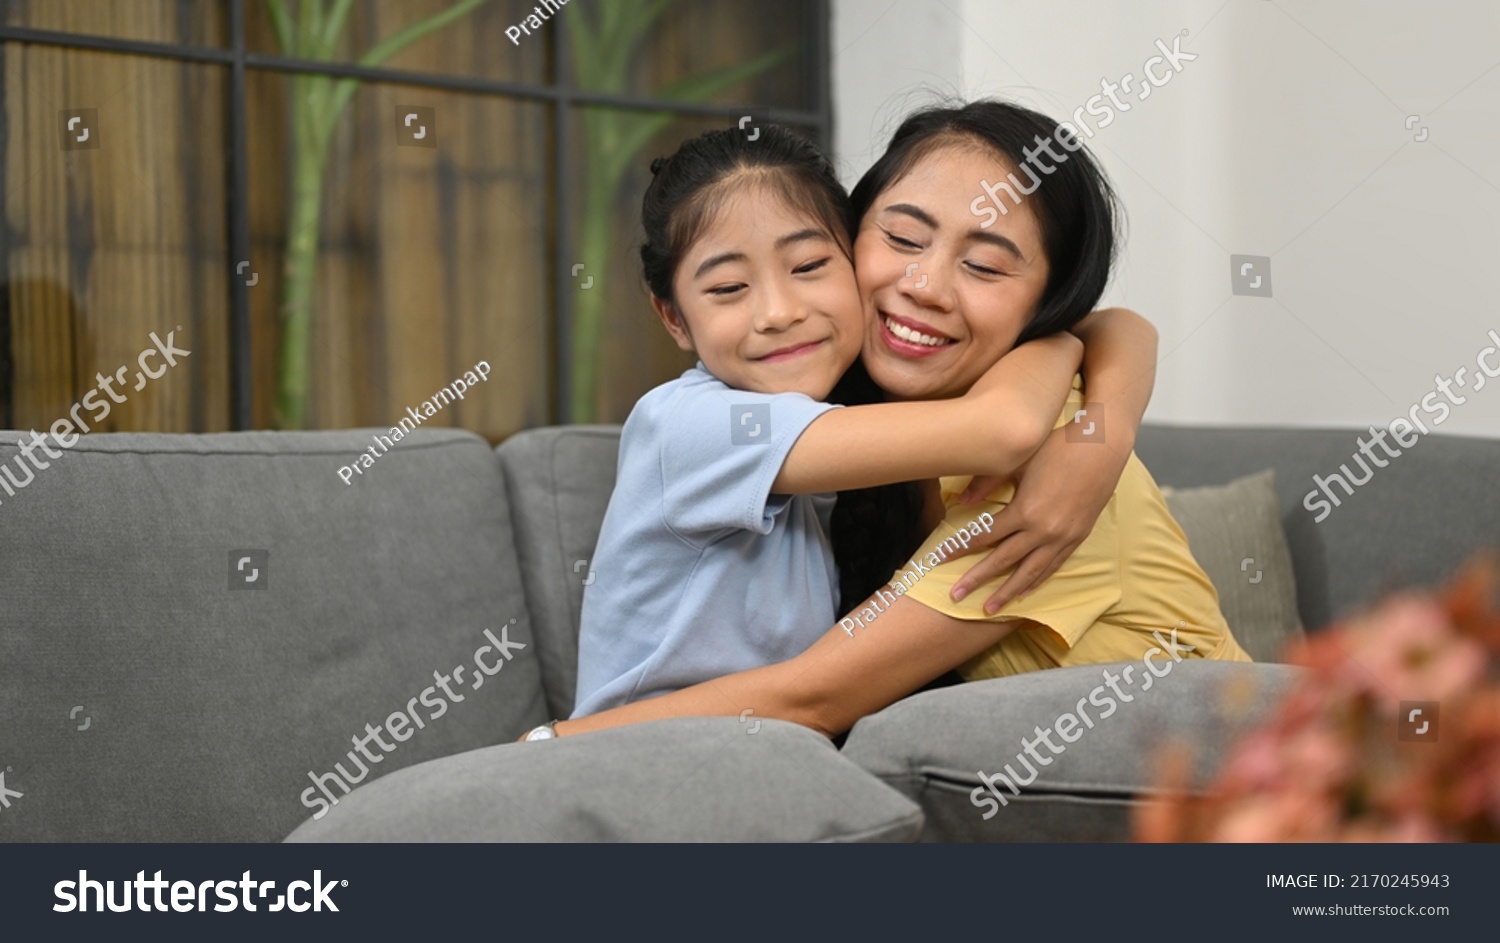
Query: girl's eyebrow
[
  {"x": 801, "y": 235},
  {"x": 977, "y": 235},
  {"x": 716, "y": 260}
]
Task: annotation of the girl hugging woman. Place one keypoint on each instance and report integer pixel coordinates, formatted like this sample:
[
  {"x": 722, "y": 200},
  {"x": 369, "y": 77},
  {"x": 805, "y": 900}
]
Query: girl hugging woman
[{"x": 716, "y": 582}]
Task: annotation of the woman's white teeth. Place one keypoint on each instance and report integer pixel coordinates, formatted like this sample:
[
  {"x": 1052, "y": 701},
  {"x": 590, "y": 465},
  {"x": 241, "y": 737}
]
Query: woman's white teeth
[{"x": 911, "y": 336}]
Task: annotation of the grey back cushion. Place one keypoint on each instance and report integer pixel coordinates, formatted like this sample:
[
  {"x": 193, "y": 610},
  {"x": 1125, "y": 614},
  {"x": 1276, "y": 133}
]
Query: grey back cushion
[
  {"x": 206, "y": 707},
  {"x": 933, "y": 746},
  {"x": 1413, "y": 523},
  {"x": 559, "y": 481},
  {"x": 684, "y": 779},
  {"x": 1234, "y": 532}
]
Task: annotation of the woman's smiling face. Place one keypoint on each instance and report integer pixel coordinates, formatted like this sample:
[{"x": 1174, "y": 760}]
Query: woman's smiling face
[{"x": 945, "y": 299}]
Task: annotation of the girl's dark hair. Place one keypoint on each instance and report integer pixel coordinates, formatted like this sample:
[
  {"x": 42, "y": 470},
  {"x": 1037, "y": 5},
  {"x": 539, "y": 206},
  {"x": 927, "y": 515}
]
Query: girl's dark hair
[
  {"x": 689, "y": 188},
  {"x": 1074, "y": 204},
  {"x": 875, "y": 530}
]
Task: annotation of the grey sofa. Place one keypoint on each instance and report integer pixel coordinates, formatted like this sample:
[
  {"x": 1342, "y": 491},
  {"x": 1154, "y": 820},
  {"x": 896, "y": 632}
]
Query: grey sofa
[{"x": 210, "y": 638}]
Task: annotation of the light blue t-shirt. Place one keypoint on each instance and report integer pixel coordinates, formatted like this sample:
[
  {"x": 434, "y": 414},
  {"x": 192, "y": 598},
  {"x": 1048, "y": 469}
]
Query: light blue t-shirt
[{"x": 700, "y": 571}]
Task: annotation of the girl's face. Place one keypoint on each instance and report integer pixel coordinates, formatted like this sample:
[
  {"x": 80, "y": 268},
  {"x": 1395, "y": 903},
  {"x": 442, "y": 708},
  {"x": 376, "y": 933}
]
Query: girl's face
[
  {"x": 945, "y": 297},
  {"x": 767, "y": 299}
]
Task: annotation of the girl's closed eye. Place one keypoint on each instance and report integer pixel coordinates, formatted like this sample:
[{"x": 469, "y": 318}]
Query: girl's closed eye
[{"x": 812, "y": 266}]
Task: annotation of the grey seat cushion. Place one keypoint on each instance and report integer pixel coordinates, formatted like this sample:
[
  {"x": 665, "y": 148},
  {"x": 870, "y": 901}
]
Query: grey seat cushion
[
  {"x": 559, "y": 481},
  {"x": 933, "y": 746},
  {"x": 207, "y": 707},
  {"x": 686, "y": 779},
  {"x": 1234, "y": 532}
]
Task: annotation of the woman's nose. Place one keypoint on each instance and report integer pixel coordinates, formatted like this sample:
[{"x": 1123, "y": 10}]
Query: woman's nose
[{"x": 926, "y": 286}]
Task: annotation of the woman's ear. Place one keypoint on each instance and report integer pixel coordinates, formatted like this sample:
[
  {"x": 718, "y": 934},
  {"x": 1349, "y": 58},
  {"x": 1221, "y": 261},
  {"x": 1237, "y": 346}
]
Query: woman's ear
[{"x": 673, "y": 321}]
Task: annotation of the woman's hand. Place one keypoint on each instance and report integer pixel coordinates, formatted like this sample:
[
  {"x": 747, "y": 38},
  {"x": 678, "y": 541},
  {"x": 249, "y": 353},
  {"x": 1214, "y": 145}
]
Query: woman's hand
[{"x": 1060, "y": 493}]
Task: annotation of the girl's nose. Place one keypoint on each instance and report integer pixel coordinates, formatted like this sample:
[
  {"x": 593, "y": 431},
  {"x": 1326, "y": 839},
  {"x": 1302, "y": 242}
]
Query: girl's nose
[{"x": 782, "y": 309}]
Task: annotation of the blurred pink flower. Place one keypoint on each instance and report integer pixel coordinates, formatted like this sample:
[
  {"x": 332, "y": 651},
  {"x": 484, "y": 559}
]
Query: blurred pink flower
[
  {"x": 1328, "y": 764},
  {"x": 1407, "y": 650}
]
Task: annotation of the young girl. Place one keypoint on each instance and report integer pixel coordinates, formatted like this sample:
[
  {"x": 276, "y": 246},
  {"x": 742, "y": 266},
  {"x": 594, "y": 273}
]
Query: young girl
[
  {"x": 1033, "y": 270},
  {"x": 720, "y": 509}
]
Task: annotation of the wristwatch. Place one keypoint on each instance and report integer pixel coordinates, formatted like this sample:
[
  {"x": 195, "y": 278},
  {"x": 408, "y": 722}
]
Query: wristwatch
[{"x": 544, "y": 732}]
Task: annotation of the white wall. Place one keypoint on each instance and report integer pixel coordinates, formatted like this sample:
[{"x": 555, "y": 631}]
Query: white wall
[{"x": 1284, "y": 138}]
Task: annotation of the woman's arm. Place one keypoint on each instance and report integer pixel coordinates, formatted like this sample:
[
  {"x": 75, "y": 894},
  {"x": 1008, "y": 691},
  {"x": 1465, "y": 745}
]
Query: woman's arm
[
  {"x": 864, "y": 446},
  {"x": 835, "y": 682},
  {"x": 1063, "y": 489}
]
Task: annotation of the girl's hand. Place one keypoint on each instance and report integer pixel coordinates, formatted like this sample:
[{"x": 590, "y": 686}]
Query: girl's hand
[{"x": 1060, "y": 493}]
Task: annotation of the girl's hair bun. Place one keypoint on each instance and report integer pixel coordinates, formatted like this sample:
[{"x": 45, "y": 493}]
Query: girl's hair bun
[{"x": 657, "y": 165}]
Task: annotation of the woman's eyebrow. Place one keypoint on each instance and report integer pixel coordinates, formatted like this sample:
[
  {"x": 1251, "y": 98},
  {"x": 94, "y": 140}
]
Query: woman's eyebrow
[
  {"x": 997, "y": 240},
  {"x": 978, "y": 235},
  {"x": 915, "y": 212}
]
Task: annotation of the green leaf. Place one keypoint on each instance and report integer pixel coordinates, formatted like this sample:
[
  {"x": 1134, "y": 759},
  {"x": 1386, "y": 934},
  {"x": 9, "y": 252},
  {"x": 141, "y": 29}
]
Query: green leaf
[
  {"x": 642, "y": 20},
  {"x": 692, "y": 88},
  {"x": 393, "y": 44},
  {"x": 281, "y": 21},
  {"x": 625, "y": 37},
  {"x": 309, "y": 22},
  {"x": 581, "y": 42},
  {"x": 700, "y": 87},
  {"x": 329, "y": 39}
]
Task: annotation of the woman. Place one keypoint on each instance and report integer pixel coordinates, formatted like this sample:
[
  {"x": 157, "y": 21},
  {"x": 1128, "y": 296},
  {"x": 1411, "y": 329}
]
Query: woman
[{"x": 984, "y": 286}]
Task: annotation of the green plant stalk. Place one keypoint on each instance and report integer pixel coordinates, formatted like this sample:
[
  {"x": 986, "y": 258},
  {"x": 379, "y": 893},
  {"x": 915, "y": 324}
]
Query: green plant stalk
[
  {"x": 310, "y": 151},
  {"x": 612, "y": 142},
  {"x": 588, "y": 309},
  {"x": 317, "y": 104}
]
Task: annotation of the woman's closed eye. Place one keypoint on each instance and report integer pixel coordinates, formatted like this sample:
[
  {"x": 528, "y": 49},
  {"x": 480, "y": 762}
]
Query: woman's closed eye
[
  {"x": 900, "y": 242},
  {"x": 812, "y": 266},
  {"x": 986, "y": 270}
]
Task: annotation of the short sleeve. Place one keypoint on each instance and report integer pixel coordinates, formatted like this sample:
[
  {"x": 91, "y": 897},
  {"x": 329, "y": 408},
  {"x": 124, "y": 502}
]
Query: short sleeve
[
  {"x": 721, "y": 451},
  {"x": 1084, "y": 589}
]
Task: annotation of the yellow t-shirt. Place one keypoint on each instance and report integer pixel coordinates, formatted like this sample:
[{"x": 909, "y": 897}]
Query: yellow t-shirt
[{"x": 1132, "y": 576}]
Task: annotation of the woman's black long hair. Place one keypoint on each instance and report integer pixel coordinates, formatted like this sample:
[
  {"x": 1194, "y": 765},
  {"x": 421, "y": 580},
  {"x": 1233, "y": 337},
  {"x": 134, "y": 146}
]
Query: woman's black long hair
[{"x": 875, "y": 530}]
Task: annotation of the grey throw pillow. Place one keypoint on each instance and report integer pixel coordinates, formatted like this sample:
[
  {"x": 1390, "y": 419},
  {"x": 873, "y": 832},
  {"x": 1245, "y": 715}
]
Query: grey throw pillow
[
  {"x": 684, "y": 779},
  {"x": 1235, "y": 534}
]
